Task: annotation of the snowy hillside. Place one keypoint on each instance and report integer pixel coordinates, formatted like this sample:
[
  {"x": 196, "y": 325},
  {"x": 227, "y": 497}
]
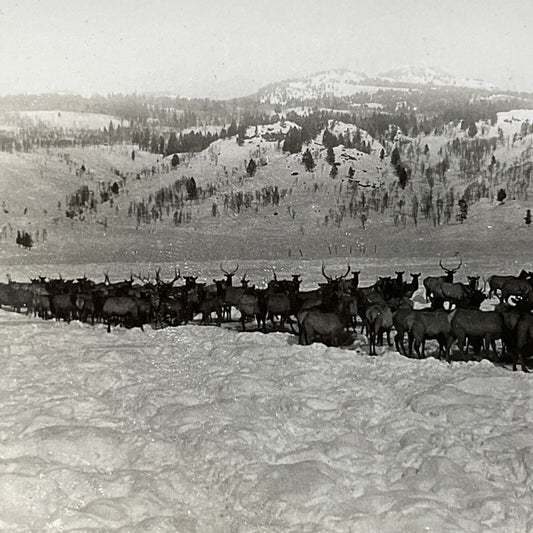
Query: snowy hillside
[
  {"x": 424, "y": 75},
  {"x": 343, "y": 83},
  {"x": 68, "y": 120}
]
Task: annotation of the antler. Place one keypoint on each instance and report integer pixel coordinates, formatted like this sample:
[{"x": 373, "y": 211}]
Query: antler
[
  {"x": 324, "y": 273},
  {"x": 344, "y": 275},
  {"x": 229, "y": 273},
  {"x": 177, "y": 276},
  {"x": 143, "y": 279}
]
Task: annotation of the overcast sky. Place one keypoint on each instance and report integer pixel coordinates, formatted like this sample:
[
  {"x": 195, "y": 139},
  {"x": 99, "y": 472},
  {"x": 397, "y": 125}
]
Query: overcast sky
[{"x": 231, "y": 48}]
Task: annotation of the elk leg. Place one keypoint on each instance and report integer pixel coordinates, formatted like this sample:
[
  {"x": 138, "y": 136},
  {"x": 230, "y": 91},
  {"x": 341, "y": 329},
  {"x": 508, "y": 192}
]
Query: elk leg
[{"x": 397, "y": 343}]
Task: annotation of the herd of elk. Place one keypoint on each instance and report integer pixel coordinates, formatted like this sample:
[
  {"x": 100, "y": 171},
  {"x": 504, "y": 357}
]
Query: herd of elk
[{"x": 327, "y": 313}]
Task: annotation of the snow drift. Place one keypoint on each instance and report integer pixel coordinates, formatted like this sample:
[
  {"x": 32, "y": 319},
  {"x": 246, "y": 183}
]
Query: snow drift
[{"x": 207, "y": 429}]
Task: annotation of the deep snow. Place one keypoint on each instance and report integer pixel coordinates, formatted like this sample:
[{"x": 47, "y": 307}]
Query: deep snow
[{"x": 207, "y": 429}]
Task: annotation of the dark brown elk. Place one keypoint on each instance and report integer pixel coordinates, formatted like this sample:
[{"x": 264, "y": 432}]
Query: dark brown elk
[
  {"x": 122, "y": 310},
  {"x": 63, "y": 306},
  {"x": 349, "y": 286},
  {"x": 410, "y": 288},
  {"x": 252, "y": 304},
  {"x": 488, "y": 325},
  {"x": 496, "y": 282},
  {"x": 281, "y": 299},
  {"x": 519, "y": 288},
  {"x": 212, "y": 303},
  {"x": 524, "y": 340},
  {"x": 432, "y": 283},
  {"x": 431, "y": 325},
  {"x": 328, "y": 327},
  {"x": 403, "y": 321},
  {"x": 378, "y": 320}
]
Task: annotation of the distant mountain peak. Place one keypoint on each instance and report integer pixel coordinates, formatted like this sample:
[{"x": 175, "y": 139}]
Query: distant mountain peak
[
  {"x": 430, "y": 75},
  {"x": 343, "y": 82}
]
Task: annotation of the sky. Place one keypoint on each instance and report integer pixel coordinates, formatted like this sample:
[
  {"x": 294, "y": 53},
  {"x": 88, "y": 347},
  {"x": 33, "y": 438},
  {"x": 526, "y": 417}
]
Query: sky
[{"x": 222, "y": 49}]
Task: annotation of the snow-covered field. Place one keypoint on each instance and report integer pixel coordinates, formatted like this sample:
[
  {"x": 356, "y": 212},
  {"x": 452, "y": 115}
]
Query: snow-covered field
[
  {"x": 207, "y": 429},
  {"x": 71, "y": 119}
]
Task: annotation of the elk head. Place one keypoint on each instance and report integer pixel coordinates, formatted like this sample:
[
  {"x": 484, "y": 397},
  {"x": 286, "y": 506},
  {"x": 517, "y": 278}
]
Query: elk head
[
  {"x": 337, "y": 278},
  {"x": 450, "y": 271},
  {"x": 229, "y": 275}
]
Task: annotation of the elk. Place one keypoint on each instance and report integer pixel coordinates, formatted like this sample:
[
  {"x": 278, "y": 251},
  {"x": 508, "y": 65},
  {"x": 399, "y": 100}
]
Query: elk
[
  {"x": 121, "y": 310},
  {"x": 326, "y": 326},
  {"x": 410, "y": 288},
  {"x": 488, "y": 325},
  {"x": 212, "y": 303},
  {"x": 252, "y": 304},
  {"x": 432, "y": 283},
  {"x": 516, "y": 287},
  {"x": 403, "y": 321},
  {"x": 524, "y": 340},
  {"x": 431, "y": 325},
  {"x": 496, "y": 282},
  {"x": 378, "y": 320}
]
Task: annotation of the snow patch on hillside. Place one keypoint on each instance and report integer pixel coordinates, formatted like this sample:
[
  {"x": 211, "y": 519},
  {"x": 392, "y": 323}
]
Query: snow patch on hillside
[{"x": 70, "y": 120}]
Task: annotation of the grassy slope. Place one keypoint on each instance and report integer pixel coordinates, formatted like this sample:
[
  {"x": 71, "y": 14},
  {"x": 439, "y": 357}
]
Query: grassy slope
[{"x": 39, "y": 180}]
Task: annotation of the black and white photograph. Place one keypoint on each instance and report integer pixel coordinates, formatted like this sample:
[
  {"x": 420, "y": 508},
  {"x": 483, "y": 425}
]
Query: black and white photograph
[{"x": 266, "y": 266}]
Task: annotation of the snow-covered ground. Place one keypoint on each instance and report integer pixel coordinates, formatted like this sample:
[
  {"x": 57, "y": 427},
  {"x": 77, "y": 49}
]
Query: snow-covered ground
[
  {"x": 71, "y": 119},
  {"x": 207, "y": 429}
]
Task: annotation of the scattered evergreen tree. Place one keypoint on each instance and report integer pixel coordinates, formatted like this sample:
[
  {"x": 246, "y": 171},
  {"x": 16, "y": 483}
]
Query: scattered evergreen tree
[
  {"x": 329, "y": 140},
  {"x": 382, "y": 154},
  {"x": 251, "y": 168},
  {"x": 527, "y": 218},
  {"x": 330, "y": 157},
  {"x": 293, "y": 141},
  {"x": 351, "y": 172},
  {"x": 173, "y": 146},
  {"x": 395, "y": 157},
  {"x": 472, "y": 130},
  {"x": 175, "y": 160},
  {"x": 161, "y": 145},
  {"x": 232, "y": 130},
  {"x": 241, "y": 133},
  {"x": 308, "y": 161},
  {"x": 463, "y": 210},
  {"x": 334, "y": 171},
  {"x": 502, "y": 195},
  {"x": 403, "y": 177},
  {"x": 154, "y": 145}
]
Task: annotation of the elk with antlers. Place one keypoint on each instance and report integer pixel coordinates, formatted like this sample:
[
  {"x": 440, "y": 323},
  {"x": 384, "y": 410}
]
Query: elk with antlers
[{"x": 434, "y": 283}]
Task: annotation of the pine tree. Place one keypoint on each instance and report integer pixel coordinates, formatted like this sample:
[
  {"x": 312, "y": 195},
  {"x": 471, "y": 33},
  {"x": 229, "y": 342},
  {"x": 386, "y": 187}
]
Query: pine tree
[
  {"x": 463, "y": 210},
  {"x": 175, "y": 160},
  {"x": 308, "y": 161},
  {"x": 173, "y": 145},
  {"x": 334, "y": 171},
  {"x": 251, "y": 168},
  {"x": 502, "y": 195},
  {"x": 395, "y": 157},
  {"x": 382, "y": 154},
  {"x": 232, "y": 130},
  {"x": 161, "y": 145},
  {"x": 330, "y": 157}
]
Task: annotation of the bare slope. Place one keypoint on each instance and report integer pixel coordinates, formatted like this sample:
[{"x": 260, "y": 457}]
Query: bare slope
[{"x": 311, "y": 219}]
